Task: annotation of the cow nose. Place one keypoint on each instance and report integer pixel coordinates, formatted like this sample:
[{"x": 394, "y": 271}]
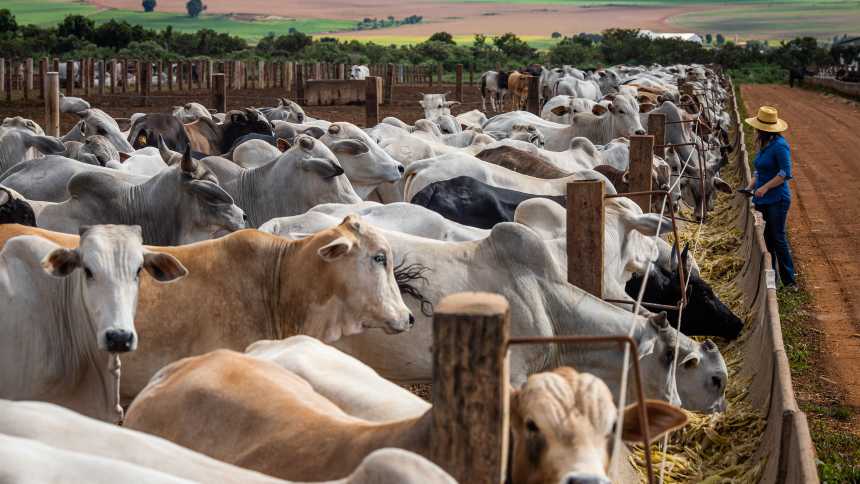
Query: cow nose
[
  {"x": 717, "y": 381},
  {"x": 244, "y": 217},
  {"x": 119, "y": 340},
  {"x": 301, "y": 117},
  {"x": 411, "y": 320},
  {"x": 400, "y": 169},
  {"x": 640, "y": 132},
  {"x": 582, "y": 478}
]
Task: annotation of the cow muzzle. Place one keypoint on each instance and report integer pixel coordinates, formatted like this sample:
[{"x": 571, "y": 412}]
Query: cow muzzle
[
  {"x": 392, "y": 327},
  {"x": 119, "y": 340}
]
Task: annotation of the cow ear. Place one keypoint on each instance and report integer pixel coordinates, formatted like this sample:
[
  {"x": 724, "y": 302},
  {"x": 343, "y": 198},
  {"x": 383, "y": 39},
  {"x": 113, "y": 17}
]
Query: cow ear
[
  {"x": 560, "y": 110},
  {"x": 324, "y": 168},
  {"x": 283, "y": 144},
  {"x": 721, "y": 185},
  {"x": 661, "y": 416},
  {"x": 353, "y": 223},
  {"x": 599, "y": 109},
  {"x": 646, "y": 107},
  {"x": 421, "y": 103},
  {"x": 123, "y": 156},
  {"x": 349, "y": 147},
  {"x": 189, "y": 164},
  {"x": 61, "y": 262},
  {"x": 163, "y": 267},
  {"x": 647, "y": 224},
  {"x": 82, "y": 126},
  {"x": 451, "y": 103},
  {"x": 335, "y": 249}
]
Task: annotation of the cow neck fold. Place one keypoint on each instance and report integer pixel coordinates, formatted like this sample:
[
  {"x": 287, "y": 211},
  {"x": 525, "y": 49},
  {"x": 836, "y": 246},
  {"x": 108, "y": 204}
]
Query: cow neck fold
[
  {"x": 410, "y": 434},
  {"x": 140, "y": 206},
  {"x": 72, "y": 337},
  {"x": 597, "y": 128},
  {"x": 253, "y": 190}
]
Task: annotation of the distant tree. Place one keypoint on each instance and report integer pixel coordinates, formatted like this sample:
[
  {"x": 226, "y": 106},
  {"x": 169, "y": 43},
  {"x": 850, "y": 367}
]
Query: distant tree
[
  {"x": 513, "y": 46},
  {"x": 720, "y": 39},
  {"x": 8, "y": 24},
  {"x": 77, "y": 26},
  {"x": 149, "y": 5},
  {"x": 195, "y": 7},
  {"x": 709, "y": 39},
  {"x": 443, "y": 37},
  {"x": 556, "y": 35}
]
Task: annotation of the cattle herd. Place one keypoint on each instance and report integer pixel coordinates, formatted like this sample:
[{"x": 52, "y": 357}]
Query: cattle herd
[{"x": 269, "y": 280}]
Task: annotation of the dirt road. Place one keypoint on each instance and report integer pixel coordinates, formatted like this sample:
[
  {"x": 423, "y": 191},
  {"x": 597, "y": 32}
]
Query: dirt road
[{"x": 824, "y": 221}]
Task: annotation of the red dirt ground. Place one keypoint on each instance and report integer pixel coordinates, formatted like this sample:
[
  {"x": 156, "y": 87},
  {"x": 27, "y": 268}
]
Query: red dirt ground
[
  {"x": 824, "y": 220},
  {"x": 454, "y": 18}
]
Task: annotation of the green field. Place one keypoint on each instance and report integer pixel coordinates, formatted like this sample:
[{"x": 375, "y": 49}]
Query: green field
[
  {"x": 50, "y": 12},
  {"x": 780, "y": 20},
  {"x": 538, "y": 42}
]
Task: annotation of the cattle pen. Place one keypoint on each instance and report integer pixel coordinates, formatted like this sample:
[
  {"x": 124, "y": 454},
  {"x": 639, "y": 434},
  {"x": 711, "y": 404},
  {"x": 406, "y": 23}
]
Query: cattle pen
[{"x": 469, "y": 437}]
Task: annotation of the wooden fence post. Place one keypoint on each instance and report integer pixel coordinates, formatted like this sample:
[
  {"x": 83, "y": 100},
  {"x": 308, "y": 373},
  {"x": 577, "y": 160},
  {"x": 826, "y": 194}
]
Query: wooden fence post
[
  {"x": 639, "y": 171},
  {"x": 52, "y": 104},
  {"x": 533, "y": 103},
  {"x": 102, "y": 77},
  {"x": 113, "y": 76},
  {"x": 372, "y": 93},
  {"x": 28, "y": 78},
  {"x": 219, "y": 93},
  {"x": 472, "y": 74},
  {"x": 123, "y": 75},
  {"x": 585, "y": 235},
  {"x": 469, "y": 433},
  {"x": 657, "y": 129},
  {"x": 70, "y": 78},
  {"x": 43, "y": 78},
  {"x": 458, "y": 89},
  {"x": 145, "y": 81},
  {"x": 7, "y": 82},
  {"x": 3, "y": 75},
  {"x": 85, "y": 76},
  {"x": 429, "y": 74},
  {"x": 300, "y": 83},
  {"x": 388, "y": 85}
]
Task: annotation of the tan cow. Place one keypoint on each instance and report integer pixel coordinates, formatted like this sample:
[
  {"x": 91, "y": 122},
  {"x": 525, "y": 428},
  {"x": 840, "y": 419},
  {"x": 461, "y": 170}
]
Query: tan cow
[
  {"x": 255, "y": 414},
  {"x": 518, "y": 85},
  {"x": 250, "y": 285}
]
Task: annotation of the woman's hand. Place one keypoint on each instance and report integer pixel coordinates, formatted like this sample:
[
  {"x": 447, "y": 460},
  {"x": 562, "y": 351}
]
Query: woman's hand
[{"x": 761, "y": 191}]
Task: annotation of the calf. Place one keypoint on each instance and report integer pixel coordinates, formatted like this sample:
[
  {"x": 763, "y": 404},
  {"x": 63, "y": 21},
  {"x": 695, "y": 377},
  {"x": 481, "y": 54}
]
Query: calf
[{"x": 63, "y": 306}]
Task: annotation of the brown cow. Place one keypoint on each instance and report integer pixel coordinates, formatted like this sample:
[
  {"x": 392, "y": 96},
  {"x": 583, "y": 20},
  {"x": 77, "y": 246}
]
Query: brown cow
[
  {"x": 251, "y": 285},
  {"x": 518, "y": 85},
  {"x": 521, "y": 162},
  {"x": 253, "y": 413}
]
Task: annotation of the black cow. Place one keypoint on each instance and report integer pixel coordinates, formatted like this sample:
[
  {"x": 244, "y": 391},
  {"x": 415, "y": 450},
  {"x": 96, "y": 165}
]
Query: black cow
[
  {"x": 145, "y": 130},
  {"x": 238, "y": 123},
  {"x": 14, "y": 210},
  {"x": 704, "y": 315},
  {"x": 470, "y": 202}
]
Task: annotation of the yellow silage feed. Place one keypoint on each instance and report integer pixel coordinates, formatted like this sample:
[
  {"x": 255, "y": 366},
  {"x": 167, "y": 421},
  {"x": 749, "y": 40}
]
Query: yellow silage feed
[{"x": 715, "y": 448}]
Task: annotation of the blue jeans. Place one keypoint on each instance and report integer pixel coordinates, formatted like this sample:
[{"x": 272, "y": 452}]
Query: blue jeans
[{"x": 774, "y": 215}]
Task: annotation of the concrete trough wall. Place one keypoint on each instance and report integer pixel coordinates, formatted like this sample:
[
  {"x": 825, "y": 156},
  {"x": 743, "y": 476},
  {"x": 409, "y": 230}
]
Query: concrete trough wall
[{"x": 848, "y": 88}]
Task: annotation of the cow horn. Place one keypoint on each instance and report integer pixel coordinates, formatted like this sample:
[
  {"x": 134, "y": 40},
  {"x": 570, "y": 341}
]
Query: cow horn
[
  {"x": 163, "y": 150},
  {"x": 333, "y": 129},
  {"x": 189, "y": 164},
  {"x": 306, "y": 142}
]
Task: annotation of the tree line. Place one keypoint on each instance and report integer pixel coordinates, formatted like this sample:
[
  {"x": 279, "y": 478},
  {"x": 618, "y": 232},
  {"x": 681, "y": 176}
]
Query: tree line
[{"x": 79, "y": 37}]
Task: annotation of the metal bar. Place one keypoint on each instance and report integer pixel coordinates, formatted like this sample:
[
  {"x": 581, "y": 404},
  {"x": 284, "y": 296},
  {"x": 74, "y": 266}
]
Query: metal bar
[
  {"x": 640, "y": 392},
  {"x": 649, "y": 192},
  {"x": 673, "y": 145},
  {"x": 645, "y": 304},
  {"x": 682, "y": 121}
]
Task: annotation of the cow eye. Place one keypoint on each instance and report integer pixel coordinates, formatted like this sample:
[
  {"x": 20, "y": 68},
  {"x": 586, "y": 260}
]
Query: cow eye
[
  {"x": 88, "y": 273},
  {"x": 380, "y": 258},
  {"x": 531, "y": 426}
]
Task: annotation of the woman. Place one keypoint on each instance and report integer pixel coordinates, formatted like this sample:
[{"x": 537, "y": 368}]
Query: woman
[{"x": 769, "y": 185}]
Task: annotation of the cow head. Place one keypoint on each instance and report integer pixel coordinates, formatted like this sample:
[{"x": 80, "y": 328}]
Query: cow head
[
  {"x": 108, "y": 263},
  {"x": 100, "y": 123},
  {"x": 287, "y": 111},
  {"x": 239, "y": 123},
  {"x": 14, "y": 209},
  {"x": 22, "y": 123},
  {"x": 562, "y": 426},
  {"x": 100, "y": 148},
  {"x": 624, "y": 111},
  {"x": 691, "y": 189},
  {"x": 528, "y": 133},
  {"x": 435, "y": 105},
  {"x": 701, "y": 375},
  {"x": 355, "y": 286},
  {"x": 365, "y": 163},
  {"x": 704, "y": 308}
]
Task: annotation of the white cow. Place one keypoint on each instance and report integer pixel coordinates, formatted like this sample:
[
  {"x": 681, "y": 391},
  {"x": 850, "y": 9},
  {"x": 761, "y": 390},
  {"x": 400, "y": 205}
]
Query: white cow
[
  {"x": 346, "y": 381},
  {"x": 64, "y": 309},
  {"x": 436, "y": 105},
  {"x": 365, "y": 163},
  {"x": 586, "y": 89},
  {"x": 257, "y": 152},
  {"x": 359, "y": 72},
  {"x": 190, "y": 112},
  {"x": 619, "y": 118},
  {"x": 561, "y": 108},
  {"x": 445, "y": 167}
]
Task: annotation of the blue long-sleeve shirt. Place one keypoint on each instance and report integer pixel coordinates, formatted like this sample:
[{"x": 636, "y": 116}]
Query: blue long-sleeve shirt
[{"x": 773, "y": 160}]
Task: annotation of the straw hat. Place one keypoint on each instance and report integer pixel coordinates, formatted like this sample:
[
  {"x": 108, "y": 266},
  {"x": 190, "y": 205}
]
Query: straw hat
[{"x": 767, "y": 120}]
